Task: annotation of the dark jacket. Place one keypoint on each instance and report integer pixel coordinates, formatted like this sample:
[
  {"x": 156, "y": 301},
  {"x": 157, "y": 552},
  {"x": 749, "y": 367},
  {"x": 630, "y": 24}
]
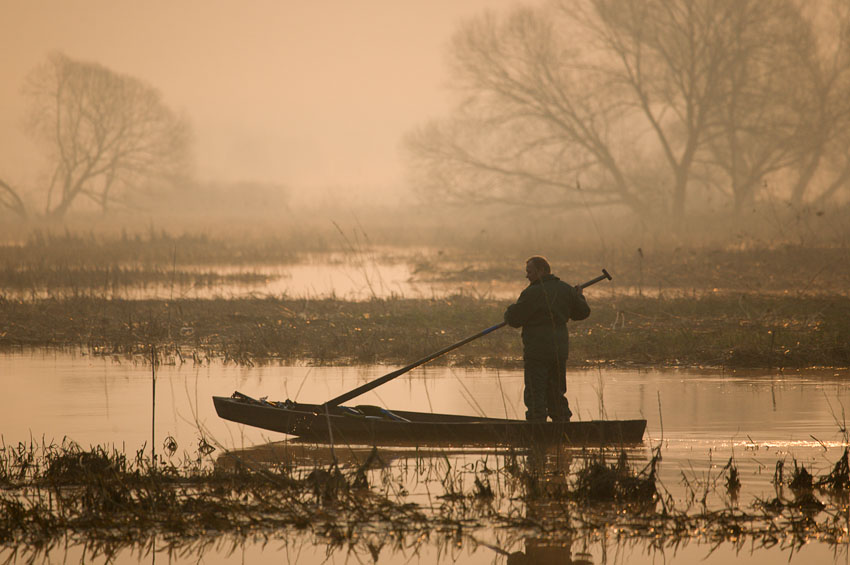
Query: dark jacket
[{"x": 542, "y": 311}]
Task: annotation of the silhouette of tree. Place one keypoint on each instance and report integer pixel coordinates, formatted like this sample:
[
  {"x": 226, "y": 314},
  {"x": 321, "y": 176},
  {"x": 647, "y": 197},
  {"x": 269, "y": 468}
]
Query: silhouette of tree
[
  {"x": 110, "y": 136},
  {"x": 637, "y": 103}
]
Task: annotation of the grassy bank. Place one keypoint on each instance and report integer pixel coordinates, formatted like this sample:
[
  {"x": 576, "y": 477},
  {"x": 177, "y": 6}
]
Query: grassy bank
[{"x": 710, "y": 329}]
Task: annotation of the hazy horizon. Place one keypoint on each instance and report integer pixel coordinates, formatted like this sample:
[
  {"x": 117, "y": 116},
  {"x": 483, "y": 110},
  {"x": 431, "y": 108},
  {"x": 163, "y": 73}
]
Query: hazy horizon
[{"x": 311, "y": 95}]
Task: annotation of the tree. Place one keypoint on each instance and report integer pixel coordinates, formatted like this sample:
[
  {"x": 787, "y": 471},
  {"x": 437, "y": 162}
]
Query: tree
[
  {"x": 763, "y": 121},
  {"x": 668, "y": 58},
  {"x": 534, "y": 121},
  {"x": 110, "y": 137},
  {"x": 825, "y": 106},
  {"x": 630, "y": 102}
]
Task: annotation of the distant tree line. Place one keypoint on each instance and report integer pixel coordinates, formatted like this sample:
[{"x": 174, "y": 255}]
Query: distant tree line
[
  {"x": 109, "y": 138},
  {"x": 655, "y": 105}
]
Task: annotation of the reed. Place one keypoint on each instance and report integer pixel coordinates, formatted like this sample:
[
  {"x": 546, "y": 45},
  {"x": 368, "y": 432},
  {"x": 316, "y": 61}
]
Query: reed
[{"x": 112, "y": 500}]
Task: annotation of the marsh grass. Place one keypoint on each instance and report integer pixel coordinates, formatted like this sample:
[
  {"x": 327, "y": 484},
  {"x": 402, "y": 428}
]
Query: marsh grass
[
  {"x": 809, "y": 266},
  {"x": 73, "y": 281},
  {"x": 47, "y": 248},
  {"x": 765, "y": 305},
  {"x": 108, "y": 500},
  {"x": 711, "y": 330}
]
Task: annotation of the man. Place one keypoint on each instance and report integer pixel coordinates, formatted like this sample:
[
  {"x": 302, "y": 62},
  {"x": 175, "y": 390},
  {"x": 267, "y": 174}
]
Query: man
[{"x": 542, "y": 311}]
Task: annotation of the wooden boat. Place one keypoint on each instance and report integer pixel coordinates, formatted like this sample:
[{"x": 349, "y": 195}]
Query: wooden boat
[{"x": 372, "y": 425}]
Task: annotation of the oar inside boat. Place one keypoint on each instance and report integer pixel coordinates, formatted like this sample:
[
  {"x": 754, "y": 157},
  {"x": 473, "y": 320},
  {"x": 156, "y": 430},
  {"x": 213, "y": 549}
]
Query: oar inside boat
[{"x": 390, "y": 376}]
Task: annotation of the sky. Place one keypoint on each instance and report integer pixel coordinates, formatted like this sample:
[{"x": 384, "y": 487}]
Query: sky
[{"x": 308, "y": 94}]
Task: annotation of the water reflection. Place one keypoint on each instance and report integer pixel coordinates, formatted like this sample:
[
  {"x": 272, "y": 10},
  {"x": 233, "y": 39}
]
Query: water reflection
[
  {"x": 304, "y": 548},
  {"x": 323, "y": 277},
  {"x": 548, "y": 552}
]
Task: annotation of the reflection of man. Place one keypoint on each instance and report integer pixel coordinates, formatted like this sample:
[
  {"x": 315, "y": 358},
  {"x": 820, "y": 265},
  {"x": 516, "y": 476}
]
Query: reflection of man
[{"x": 542, "y": 310}]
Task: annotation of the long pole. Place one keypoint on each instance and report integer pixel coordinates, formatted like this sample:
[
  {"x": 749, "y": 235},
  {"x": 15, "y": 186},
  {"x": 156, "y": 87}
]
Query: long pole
[{"x": 390, "y": 376}]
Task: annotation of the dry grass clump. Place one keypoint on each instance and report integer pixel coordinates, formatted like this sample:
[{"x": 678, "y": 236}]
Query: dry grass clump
[
  {"x": 599, "y": 481},
  {"x": 838, "y": 480},
  {"x": 804, "y": 486},
  {"x": 101, "y": 495},
  {"x": 586, "y": 479}
]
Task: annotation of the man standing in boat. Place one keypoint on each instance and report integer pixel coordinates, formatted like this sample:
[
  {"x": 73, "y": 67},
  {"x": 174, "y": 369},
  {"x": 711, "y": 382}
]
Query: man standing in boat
[{"x": 542, "y": 311}]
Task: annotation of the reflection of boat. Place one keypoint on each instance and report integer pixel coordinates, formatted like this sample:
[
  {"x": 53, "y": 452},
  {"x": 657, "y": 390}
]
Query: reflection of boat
[
  {"x": 295, "y": 453},
  {"x": 372, "y": 425}
]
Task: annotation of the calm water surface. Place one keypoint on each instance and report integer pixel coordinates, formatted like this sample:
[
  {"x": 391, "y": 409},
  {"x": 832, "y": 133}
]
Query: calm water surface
[
  {"x": 699, "y": 419},
  {"x": 322, "y": 277}
]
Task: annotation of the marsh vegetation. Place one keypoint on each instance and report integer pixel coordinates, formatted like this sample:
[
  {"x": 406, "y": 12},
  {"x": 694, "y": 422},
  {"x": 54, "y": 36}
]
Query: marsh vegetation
[
  {"x": 783, "y": 305},
  {"x": 109, "y": 500}
]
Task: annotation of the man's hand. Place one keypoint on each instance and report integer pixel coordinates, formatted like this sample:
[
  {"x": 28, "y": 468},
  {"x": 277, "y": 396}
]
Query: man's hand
[{"x": 579, "y": 290}]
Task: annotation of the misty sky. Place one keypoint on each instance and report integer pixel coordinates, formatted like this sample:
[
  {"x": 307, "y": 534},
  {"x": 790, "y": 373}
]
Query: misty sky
[{"x": 309, "y": 94}]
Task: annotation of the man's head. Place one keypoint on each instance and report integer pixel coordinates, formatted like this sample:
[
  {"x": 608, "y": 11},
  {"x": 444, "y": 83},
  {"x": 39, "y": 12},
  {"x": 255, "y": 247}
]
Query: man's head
[{"x": 536, "y": 267}]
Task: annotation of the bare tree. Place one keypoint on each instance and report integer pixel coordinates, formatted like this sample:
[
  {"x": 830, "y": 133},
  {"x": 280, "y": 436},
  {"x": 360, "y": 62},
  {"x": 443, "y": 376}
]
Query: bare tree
[
  {"x": 534, "y": 127},
  {"x": 642, "y": 101},
  {"x": 668, "y": 57},
  {"x": 110, "y": 136}
]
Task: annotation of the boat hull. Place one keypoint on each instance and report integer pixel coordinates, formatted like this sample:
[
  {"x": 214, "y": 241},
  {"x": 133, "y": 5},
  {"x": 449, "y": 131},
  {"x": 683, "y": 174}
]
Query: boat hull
[{"x": 309, "y": 422}]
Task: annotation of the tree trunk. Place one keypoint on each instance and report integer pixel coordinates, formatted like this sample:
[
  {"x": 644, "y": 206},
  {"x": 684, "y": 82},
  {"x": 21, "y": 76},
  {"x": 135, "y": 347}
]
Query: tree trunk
[
  {"x": 744, "y": 196},
  {"x": 798, "y": 191},
  {"x": 15, "y": 204}
]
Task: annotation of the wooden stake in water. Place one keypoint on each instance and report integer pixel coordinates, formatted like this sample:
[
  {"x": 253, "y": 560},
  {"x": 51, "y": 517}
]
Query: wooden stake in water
[{"x": 153, "y": 404}]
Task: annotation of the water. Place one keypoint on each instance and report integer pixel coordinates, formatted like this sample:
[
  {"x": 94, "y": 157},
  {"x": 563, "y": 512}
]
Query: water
[
  {"x": 698, "y": 418},
  {"x": 323, "y": 276}
]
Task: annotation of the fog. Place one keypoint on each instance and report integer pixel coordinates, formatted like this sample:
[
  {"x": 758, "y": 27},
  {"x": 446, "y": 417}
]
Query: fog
[
  {"x": 521, "y": 110},
  {"x": 312, "y": 95}
]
